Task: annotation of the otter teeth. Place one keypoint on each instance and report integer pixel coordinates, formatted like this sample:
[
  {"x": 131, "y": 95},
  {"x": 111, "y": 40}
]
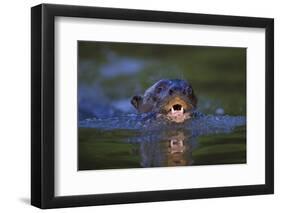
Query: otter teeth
[{"x": 174, "y": 111}]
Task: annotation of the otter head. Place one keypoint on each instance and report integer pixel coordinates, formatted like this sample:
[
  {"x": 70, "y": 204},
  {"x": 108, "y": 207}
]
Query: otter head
[{"x": 173, "y": 99}]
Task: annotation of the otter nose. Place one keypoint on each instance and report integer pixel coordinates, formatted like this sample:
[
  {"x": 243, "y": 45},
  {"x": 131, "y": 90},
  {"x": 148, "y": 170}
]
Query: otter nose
[{"x": 175, "y": 89}]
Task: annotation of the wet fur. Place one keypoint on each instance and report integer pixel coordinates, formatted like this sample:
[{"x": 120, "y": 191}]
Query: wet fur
[{"x": 156, "y": 98}]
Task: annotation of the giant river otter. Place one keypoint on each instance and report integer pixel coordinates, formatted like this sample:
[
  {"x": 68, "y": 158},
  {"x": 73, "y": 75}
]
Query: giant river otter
[
  {"x": 167, "y": 100},
  {"x": 172, "y": 99}
]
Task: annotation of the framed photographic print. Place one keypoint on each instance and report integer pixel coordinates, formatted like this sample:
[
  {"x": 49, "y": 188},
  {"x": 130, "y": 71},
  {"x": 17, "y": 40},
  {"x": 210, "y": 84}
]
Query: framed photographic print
[{"x": 139, "y": 106}]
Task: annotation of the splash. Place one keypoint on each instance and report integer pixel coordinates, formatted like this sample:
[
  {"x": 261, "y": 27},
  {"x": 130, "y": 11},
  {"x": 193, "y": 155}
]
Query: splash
[{"x": 200, "y": 125}]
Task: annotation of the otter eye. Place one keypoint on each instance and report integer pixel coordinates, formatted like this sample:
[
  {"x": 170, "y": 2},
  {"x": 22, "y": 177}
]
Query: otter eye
[{"x": 188, "y": 90}]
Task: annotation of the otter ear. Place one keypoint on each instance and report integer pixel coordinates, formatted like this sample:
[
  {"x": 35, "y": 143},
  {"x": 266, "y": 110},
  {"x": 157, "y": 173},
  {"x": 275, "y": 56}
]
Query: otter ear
[{"x": 136, "y": 101}]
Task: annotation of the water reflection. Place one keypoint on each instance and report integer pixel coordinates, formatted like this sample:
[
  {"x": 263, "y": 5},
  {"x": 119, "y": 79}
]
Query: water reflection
[
  {"x": 181, "y": 147},
  {"x": 179, "y": 151},
  {"x": 173, "y": 148},
  {"x": 116, "y": 148},
  {"x": 132, "y": 141}
]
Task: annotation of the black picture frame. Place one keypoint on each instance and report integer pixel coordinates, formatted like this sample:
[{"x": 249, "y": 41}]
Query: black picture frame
[{"x": 43, "y": 117}]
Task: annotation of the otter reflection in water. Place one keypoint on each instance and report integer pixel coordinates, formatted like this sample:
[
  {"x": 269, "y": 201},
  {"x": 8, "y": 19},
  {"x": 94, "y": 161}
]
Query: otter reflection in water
[
  {"x": 178, "y": 146},
  {"x": 169, "y": 148}
]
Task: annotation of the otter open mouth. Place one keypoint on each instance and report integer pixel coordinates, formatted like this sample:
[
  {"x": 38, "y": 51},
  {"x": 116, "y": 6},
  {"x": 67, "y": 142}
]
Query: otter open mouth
[{"x": 178, "y": 110}]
